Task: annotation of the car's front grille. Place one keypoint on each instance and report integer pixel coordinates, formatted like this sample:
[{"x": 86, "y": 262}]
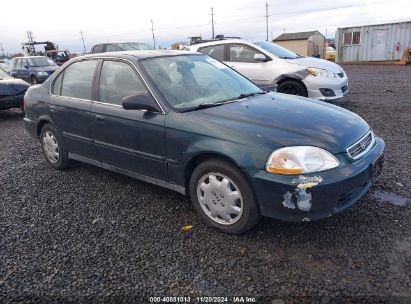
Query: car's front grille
[
  {"x": 362, "y": 146},
  {"x": 341, "y": 74}
]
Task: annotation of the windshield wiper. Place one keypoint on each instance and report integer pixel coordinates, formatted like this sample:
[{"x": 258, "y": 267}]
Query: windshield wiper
[
  {"x": 206, "y": 105},
  {"x": 245, "y": 95}
]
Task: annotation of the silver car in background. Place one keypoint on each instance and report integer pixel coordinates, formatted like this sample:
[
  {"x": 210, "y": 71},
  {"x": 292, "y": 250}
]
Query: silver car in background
[{"x": 271, "y": 67}]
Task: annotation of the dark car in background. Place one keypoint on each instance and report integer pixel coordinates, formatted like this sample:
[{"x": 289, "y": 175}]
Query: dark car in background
[
  {"x": 118, "y": 47},
  {"x": 188, "y": 122},
  {"x": 11, "y": 91},
  {"x": 34, "y": 69}
]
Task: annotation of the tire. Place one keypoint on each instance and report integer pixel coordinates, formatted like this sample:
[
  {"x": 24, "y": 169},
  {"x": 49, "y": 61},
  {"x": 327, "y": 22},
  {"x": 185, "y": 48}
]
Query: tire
[
  {"x": 34, "y": 80},
  {"x": 292, "y": 87},
  {"x": 212, "y": 183},
  {"x": 53, "y": 148}
]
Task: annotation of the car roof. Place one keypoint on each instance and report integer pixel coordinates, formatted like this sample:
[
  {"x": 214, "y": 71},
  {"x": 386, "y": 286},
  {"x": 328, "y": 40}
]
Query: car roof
[
  {"x": 25, "y": 57},
  {"x": 221, "y": 41},
  {"x": 105, "y": 43},
  {"x": 141, "y": 54}
]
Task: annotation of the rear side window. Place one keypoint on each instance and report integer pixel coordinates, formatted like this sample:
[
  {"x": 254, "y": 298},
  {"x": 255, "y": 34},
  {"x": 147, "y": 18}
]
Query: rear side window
[
  {"x": 242, "y": 53},
  {"x": 98, "y": 48},
  {"x": 57, "y": 85},
  {"x": 117, "y": 81},
  {"x": 78, "y": 79},
  {"x": 215, "y": 51}
]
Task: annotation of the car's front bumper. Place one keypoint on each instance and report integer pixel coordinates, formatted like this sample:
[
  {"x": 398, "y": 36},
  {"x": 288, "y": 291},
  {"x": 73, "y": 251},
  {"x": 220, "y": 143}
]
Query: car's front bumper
[
  {"x": 286, "y": 197},
  {"x": 315, "y": 85}
]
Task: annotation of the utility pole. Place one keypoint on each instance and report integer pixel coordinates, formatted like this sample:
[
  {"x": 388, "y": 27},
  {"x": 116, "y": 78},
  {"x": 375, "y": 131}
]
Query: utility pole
[
  {"x": 82, "y": 38},
  {"x": 325, "y": 44},
  {"x": 30, "y": 48},
  {"x": 152, "y": 32},
  {"x": 30, "y": 36},
  {"x": 212, "y": 23},
  {"x": 266, "y": 19},
  {"x": 2, "y": 50}
]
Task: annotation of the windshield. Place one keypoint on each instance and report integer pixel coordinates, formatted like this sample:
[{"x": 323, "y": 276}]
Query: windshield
[
  {"x": 134, "y": 46},
  {"x": 187, "y": 81},
  {"x": 277, "y": 50},
  {"x": 3, "y": 74},
  {"x": 40, "y": 62}
]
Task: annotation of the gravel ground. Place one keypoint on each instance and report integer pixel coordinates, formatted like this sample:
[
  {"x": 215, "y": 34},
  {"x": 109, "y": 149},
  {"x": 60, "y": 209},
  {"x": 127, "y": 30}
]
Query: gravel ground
[{"x": 88, "y": 235}]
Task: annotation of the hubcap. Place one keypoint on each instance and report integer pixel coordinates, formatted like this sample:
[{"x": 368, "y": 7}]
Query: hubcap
[
  {"x": 51, "y": 147},
  {"x": 220, "y": 198}
]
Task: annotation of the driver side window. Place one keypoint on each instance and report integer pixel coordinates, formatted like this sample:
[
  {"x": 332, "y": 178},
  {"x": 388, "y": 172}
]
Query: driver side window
[
  {"x": 242, "y": 53},
  {"x": 118, "y": 80}
]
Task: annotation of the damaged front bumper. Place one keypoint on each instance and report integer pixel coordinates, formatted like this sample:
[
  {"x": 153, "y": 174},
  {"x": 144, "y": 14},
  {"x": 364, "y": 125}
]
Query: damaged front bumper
[{"x": 314, "y": 196}]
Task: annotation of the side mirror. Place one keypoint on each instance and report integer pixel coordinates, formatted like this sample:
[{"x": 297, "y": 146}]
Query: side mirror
[
  {"x": 26, "y": 67},
  {"x": 260, "y": 57},
  {"x": 142, "y": 101}
]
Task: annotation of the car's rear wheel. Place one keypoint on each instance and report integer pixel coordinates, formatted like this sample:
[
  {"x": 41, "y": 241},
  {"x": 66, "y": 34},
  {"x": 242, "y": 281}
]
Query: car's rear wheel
[
  {"x": 53, "y": 148},
  {"x": 223, "y": 198},
  {"x": 292, "y": 87}
]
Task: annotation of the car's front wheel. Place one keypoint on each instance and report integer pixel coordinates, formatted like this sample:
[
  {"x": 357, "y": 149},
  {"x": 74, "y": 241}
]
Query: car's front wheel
[
  {"x": 292, "y": 87},
  {"x": 53, "y": 148},
  {"x": 223, "y": 198}
]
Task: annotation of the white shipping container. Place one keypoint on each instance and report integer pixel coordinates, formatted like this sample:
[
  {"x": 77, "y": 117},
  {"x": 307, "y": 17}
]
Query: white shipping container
[{"x": 380, "y": 42}]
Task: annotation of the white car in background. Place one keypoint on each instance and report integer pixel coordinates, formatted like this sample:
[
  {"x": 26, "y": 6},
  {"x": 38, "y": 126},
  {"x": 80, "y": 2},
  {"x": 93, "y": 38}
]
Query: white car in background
[
  {"x": 5, "y": 65},
  {"x": 271, "y": 67}
]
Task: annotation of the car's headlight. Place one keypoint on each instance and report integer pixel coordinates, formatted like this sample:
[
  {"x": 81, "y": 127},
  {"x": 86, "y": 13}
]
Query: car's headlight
[
  {"x": 300, "y": 159},
  {"x": 321, "y": 72},
  {"x": 42, "y": 73}
]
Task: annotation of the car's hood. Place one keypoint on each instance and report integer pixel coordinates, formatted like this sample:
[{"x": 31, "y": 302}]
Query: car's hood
[
  {"x": 283, "y": 120},
  {"x": 311, "y": 62}
]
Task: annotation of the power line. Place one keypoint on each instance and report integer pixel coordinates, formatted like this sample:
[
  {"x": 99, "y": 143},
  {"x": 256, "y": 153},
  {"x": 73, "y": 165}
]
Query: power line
[
  {"x": 152, "y": 31},
  {"x": 165, "y": 28},
  {"x": 82, "y": 38}
]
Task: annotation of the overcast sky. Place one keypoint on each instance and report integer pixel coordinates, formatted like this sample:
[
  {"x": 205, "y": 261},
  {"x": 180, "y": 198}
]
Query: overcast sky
[{"x": 175, "y": 20}]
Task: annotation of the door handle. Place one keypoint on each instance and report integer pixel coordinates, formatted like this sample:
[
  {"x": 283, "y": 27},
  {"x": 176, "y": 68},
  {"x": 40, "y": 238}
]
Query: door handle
[{"x": 100, "y": 118}]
